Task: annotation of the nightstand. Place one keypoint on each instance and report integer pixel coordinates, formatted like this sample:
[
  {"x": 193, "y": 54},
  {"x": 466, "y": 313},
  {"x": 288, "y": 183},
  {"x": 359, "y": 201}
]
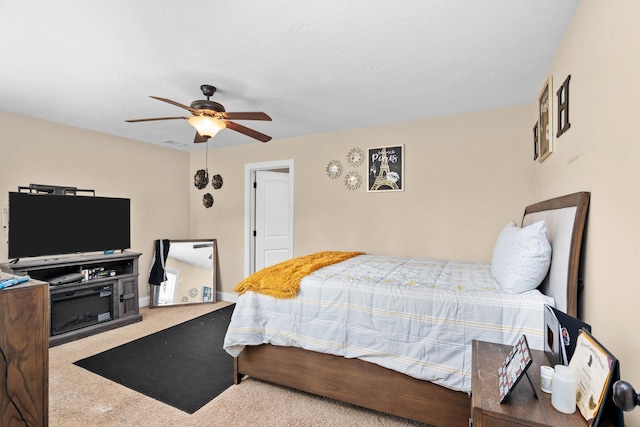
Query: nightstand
[{"x": 521, "y": 408}]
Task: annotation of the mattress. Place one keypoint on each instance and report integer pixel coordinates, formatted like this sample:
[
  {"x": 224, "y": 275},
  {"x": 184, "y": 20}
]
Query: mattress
[{"x": 417, "y": 316}]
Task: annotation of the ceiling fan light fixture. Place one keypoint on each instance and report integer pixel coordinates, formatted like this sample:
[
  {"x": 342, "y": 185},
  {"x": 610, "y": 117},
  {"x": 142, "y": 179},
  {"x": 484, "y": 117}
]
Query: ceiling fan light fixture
[{"x": 207, "y": 126}]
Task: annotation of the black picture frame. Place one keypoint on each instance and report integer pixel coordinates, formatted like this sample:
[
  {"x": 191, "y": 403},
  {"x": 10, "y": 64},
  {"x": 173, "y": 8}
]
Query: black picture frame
[
  {"x": 386, "y": 168},
  {"x": 536, "y": 149},
  {"x": 561, "y": 333},
  {"x": 545, "y": 120},
  {"x": 514, "y": 368}
]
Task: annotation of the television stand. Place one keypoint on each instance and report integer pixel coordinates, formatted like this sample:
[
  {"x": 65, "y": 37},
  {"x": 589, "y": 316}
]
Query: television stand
[{"x": 106, "y": 297}]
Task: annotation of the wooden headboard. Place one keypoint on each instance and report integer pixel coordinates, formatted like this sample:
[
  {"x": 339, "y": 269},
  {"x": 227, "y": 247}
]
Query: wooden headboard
[{"x": 565, "y": 219}]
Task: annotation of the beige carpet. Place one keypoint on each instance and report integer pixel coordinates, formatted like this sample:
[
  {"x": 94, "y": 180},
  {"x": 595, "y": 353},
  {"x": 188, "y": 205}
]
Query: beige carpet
[{"x": 78, "y": 397}]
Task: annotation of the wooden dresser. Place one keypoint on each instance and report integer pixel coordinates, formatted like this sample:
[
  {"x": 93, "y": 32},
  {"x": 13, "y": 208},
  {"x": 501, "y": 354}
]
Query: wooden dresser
[{"x": 24, "y": 362}]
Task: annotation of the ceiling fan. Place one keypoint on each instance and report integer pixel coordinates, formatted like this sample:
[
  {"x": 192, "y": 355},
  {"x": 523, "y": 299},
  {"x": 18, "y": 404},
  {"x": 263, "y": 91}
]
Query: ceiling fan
[{"x": 209, "y": 117}]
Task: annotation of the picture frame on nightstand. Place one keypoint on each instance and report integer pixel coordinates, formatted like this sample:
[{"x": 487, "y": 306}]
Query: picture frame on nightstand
[
  {"x": 561, "y": 333},
  {"x": 514, "y": 368},
  {"x": 596, "y": 369}
]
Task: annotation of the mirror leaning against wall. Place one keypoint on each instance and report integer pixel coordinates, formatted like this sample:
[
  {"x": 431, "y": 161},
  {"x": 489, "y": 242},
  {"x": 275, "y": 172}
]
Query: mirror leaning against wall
[{"x": 189, "y": 270}]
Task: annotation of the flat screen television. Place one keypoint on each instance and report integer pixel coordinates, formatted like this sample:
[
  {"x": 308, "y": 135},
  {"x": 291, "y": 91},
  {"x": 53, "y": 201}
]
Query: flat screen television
[{"x": 48, "y": 224}]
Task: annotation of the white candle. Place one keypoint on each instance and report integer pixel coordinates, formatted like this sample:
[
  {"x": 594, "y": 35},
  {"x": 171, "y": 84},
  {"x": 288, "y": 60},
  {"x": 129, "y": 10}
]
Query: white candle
[
  {"x": 546, "y": 374},
  {"x": 563, "y": 389}
]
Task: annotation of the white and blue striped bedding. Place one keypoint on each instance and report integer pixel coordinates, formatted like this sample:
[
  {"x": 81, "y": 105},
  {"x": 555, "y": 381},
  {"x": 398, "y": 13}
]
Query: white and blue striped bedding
[{"x": 417, "y": 316}]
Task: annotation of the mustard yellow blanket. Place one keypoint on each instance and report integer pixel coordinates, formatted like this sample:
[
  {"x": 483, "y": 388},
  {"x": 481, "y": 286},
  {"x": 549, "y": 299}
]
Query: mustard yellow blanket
[{"x": 283, "y": 280}]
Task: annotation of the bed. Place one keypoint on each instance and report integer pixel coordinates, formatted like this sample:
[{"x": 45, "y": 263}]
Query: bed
[{"x": 428, "y": 380}]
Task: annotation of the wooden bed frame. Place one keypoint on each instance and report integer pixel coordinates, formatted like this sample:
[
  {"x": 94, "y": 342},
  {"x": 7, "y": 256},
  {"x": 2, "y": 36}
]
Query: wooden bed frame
[{"x": 371, "y": 386}]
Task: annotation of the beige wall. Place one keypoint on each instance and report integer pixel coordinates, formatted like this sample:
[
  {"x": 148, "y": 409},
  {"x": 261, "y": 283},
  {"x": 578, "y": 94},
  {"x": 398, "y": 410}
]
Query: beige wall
[
  {"x": 465, "y": 178},
  {"x": 601, "y": 153},
  {"x": 466, "y": 175},
  {"x": 154, "y": 178}
]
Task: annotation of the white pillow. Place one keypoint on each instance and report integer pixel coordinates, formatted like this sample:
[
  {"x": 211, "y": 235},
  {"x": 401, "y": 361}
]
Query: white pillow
[{"x": 521, "y": 257}]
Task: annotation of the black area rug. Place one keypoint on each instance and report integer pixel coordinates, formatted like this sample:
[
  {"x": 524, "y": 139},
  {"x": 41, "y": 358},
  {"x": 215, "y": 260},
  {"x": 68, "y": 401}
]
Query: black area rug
[{"x": 184, "y": 366}]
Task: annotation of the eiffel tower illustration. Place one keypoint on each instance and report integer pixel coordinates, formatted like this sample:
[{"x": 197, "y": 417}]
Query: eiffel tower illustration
[{"x": 381, "y": 179}]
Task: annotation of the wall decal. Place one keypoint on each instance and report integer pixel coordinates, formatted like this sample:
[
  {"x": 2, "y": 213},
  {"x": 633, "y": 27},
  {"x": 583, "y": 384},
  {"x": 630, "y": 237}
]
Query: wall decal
[
  {"x": 207, "y": 200},
  {"x": 201, "y": 178},
  {"x": 355, "y": 157},
  {"x": 352, "y": 180},
  {"x": 334, "y": 169},
  {"x": 563, "y": 107},
  {"x": 216, "y": 181}
]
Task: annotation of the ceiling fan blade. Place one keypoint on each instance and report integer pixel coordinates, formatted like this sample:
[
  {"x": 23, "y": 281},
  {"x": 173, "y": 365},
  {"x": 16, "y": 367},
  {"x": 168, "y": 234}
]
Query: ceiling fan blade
[
  {"x": 249, "y": 132},
  {"x": 177, "y": 104},
  {"x": 200, "y": 138},
  {"x": 155, "y": 118},
  {"x": 245, "y": 116}
]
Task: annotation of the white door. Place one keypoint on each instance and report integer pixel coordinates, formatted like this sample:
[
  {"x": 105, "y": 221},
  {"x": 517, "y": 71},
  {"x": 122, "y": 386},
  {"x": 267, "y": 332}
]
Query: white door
[{"x": 273, "y": 222}]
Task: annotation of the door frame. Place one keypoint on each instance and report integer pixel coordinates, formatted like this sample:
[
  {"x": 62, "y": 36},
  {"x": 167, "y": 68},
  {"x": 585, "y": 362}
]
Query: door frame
[{"x": 249, "y": 206}]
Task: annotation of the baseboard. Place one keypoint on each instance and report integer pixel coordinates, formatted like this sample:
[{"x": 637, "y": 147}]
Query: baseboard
[
  {"x": 220, "y": 296},
  {"x": 227, "y": 296},
  {"x": 144, "y": 301}
]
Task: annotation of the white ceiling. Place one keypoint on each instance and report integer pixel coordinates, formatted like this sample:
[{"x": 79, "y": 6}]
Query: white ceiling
[{"x": 313, "y": 66}]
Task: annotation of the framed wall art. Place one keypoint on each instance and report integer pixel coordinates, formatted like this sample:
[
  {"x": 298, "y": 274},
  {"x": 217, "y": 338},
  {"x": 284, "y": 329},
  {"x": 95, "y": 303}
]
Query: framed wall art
[
  {"x": 514, "y": 368},
  {"x": 386, "y": 168},
  {"x": 536, "y": 152},
  {"x": 545, "y": 120}
]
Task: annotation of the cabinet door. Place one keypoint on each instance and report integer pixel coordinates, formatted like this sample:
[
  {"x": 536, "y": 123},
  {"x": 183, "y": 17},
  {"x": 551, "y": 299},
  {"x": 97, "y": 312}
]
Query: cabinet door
[{"x": 128, "y": 296}]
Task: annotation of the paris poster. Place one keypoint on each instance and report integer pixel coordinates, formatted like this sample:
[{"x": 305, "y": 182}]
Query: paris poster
[{"x": 386, "y": 168}]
